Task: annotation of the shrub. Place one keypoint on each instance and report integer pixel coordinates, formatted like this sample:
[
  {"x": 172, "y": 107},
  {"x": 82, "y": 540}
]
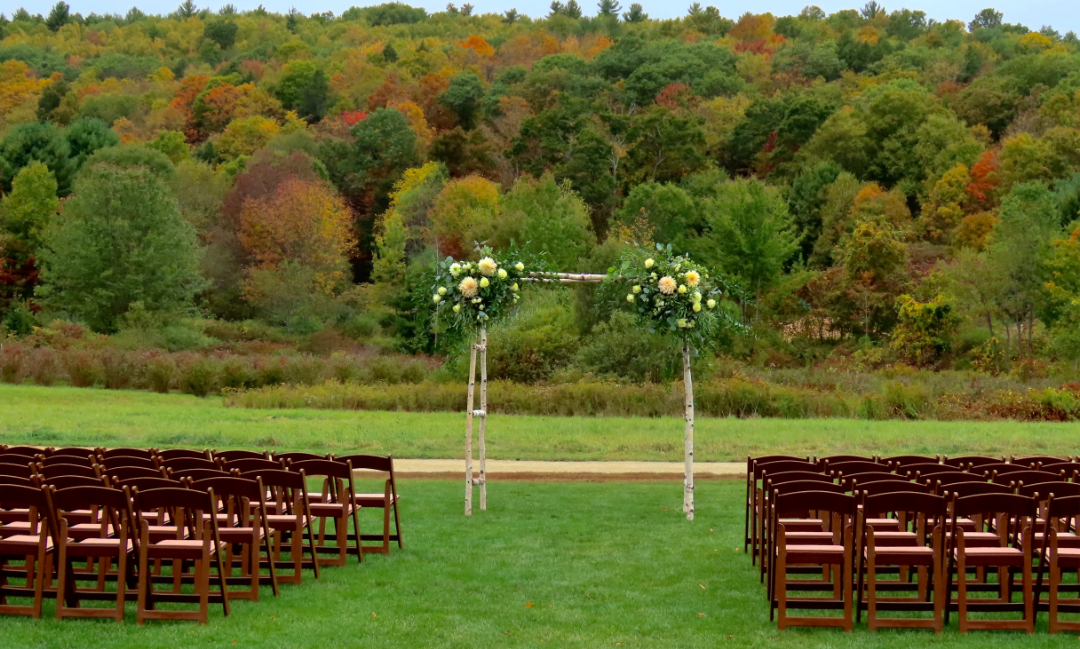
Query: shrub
[
  {"x": 622, "y": 347},
  {"x": 237, "y": 372},
  {"x": 269, "y": 371},
  {"x": 118, "y": 369},
  {"x": 344, "y": 368},
  {"x": 43, "y": 366},
  {"x": 179, "y": 338},
  {"x": 304, "y": 370},
  {"x": 83, "y": 367},
  {"x": 11, "y": 363},
  {"x": 200, "y": 377},
  {"x": 537, "y": 340},
  {"x": 160, "y": 371}
]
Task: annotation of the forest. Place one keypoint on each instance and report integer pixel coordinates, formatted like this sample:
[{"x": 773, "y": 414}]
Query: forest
[{"x": 240, "y": 199}]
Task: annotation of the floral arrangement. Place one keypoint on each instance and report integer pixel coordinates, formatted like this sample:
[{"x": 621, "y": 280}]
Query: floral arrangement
[
  {"x": 672, "y": 293},
  {"x": 477, "y": 292}
]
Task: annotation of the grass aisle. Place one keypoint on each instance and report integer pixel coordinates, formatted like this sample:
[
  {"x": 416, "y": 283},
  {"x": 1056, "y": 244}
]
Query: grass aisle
[
  {"x": 562, "y": 565},
  {"x": 72, "y": 416}
]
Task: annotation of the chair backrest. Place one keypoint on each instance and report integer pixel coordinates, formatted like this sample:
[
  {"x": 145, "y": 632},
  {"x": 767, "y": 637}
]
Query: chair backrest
[
  {"x": 84, "y": 460},
  {"x": 904, "y": 460},
  {"x": 19, "y": 458},
  {"x": 147, "y": 453},
  {"x": 362, "y": 462},
  {"x": 952, "y": 477},
  {"x": 116, "y": 461},
  {"x": 1067, "y": 467},
  {"x": 324, "y": 468},
  {"x": 1045, "y": 489},
  {"x": 33, "y": 499},
  {"x": 850, "y": 480},
  {"x": 127, "y": 472},
  {"x": 860, "y": 466},
  {"x": 1009, "y": 513},
  {"x": 56, "y": 470},
  {"x": 1035, "y": 461},
  {"x": 875, "y": 505},
  {"x": 142, "y": 483},
  {"x": 926, "y": 468},
  {"x": 997, "y": 467},
  {"x": 188, "y": 463},
  {"x": 965, "y": 489},
  {"x": 16, "y": 470},
  {"x": 110, "y": 505},
  {"x": 1066, "y": 507},
  {"x": 789, "y": 476},
  {"x": 174, "y": 453},
  {"x": 752, "y": 461},
  {"x": 289, "y": 488},
  {"x": 970, "y": 460},
  {"x": 72, "y": 481},
  {"x": 780, "y": 466},
  {"x": 15, "y": 480},
  {"x": 199, "y": 474},
  {"x": 890, "y": 486},
  {"x": 821, "y": 501},
  {"x": 32, "y": 451},
  {"x": 187, "y": 505},
  {"x": 253, "y": 464},
  {"x": 830, "y": 460},
  {"x": 237, "y": 494},
  {"x": 75, "y": 451},
  {"x": 241, "y": 454},
  {"x": 298, "y": 456},
  {"x": 1015, "y": 478},
  {"x": 805, "y": 485}
]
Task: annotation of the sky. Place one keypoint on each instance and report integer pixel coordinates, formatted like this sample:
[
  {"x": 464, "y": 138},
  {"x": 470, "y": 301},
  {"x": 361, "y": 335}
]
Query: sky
[{"x": 1062, "y": 15}]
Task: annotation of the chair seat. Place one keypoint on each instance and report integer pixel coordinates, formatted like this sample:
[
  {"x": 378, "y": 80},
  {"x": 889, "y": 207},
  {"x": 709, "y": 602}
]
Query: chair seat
[
  {"x": 894, "y": 539},
  {"x": 375, "y": 500},
  {"x": 18, "y": 527},
  {"x": 176, "y": 549},
  {"x": 903, "y": 555},
  {"x": 1065, "y": 539},
  {"x": 330, "y": 510},
  {"x": 236, "y": 534},
  {"x": 164, "y": 533},
  {"x": 286, "y": 521},
  {"x": 1068, "y": 557},
  {"x": 23, "y": 544},
  {"x": 809, "y": 538},
  {"x": 88, "y": 530},
  {"x": 814, "y": 554},
  {"x": 982, "y": 540},
  {"x": 884, "y": 524},
  {"x": 992, "y": 556},
  {"x": 98, "y": 546}
]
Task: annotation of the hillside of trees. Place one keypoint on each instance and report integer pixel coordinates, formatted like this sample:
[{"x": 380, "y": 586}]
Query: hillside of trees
[{"x": 889, "y": 191}]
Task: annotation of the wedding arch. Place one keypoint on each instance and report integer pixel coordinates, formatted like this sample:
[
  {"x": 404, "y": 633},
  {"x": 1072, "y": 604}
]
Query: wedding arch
[{"x": 671, "y": 294}]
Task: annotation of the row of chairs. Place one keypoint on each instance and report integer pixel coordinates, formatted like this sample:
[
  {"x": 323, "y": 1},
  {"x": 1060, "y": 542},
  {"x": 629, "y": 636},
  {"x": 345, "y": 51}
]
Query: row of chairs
[
  {"x": 938, "y": 525},
  {"x": 123, "y": 516}
]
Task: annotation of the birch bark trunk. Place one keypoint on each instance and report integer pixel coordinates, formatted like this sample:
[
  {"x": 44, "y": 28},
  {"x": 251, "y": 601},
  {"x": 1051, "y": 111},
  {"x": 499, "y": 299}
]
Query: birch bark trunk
[
  {"x": 468, "y": 432},
  {"x": 688, "y": 442},
  {"x": 483, "y": 418}
]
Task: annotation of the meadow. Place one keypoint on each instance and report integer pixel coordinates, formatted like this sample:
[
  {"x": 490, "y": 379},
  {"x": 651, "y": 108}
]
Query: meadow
[{"x": 62, "y": 416}]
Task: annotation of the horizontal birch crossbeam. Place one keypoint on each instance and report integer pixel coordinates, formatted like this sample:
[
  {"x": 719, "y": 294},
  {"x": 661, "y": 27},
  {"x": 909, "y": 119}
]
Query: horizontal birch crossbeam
[{"x": 567, "y": 278}]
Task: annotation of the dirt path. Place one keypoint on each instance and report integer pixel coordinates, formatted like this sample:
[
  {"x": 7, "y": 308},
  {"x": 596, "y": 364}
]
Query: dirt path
[{"x": 569, "y": 471}]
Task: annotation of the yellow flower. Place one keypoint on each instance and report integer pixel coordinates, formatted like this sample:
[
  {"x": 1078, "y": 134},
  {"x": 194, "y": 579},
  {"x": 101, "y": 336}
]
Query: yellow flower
[
  {"x": 487, "y": 266},
  {"x": 519, "y": 266},
  {"x": 649, "y": 263},
  {"x": 682, "y": 323},
  {"x": 629, "y": 297},
  {"x": 667, "y": 285},
  {"x": 697, "y": 297},
  {"x": 484, "y": 283},
  {"x": 502, "y": 273},
  {"x": 457, "y": 308},
  {"x": 711, "y": 303},
  {"x": 442, "y": 290},
  {"x": 636, "y": 289},
  {"x": 436, "y": 298},
  {"x": 682, "y": 290},
  {"x": 697, "y": 307},
  {"x": 468, "y": 287},
  {"x": 692, "y": 278},
  {"x": 514, "y": 287}
]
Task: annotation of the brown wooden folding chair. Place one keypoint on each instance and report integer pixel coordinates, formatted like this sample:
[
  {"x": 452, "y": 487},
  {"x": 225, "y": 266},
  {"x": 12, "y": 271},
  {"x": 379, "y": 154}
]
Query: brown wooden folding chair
[
  {"x": 117, "y": 461},
  {"x": 840, "y": 510},
  {"x": 188, "y": 463},
  {"x": 242, "y": 525},
  {"x": 966, "y": 462},
  {"x": 176, "y": 453},
  {"x": 1014, "y": 479},
  {"x": 898, "y": 461},
  {"x": 1011, "y": 517},
  {"x": 1036, "y": 461},
  {"x": 290, "y": 519},
  {"x": 927, "y": 558},
  {"x": 751, "y": 486},
  {"x": 759, "y": 495},
  {"x": 1058, "y": 556},
  {"x": 67, "y": 460},
  {"x": 241, "y": 454},
  {"x": 107, "y": 453},
  {"x": 114, "y": 540},
  {"x": 805, "y": 528},
  {"x": 35, "y": 548},
  {"x": 127, "y": 472},
  {"x": 385, "y": 501},
  {"x": 337, "y": 504},
  {"x": 195, "y": 541}
]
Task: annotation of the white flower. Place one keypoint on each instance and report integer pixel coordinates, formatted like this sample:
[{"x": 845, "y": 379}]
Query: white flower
[
  {"x": 455, "y": 269},
  {"x": 457, "y": 308},
  {"x": 692, "y": 278},
  {"x": 697, "y": 307},
  {"x": 484, "y": 283},
  {"x": 636, "y": 289},
  {"x": 682, "y": 290},
  {"x": 711, "y": 303},
  {"x": 519, "y": 266},
  {"x": 502, "y": 273},
  {"x": 514, "y": 287},
  {"x": 649, "y": 263},
  {"x": 436, "y": 298},
  {"x": 667, "y": 285},
  {"x": 468, "y": 287},
  {"x": 442, "y": 290},
  {"x": 682, "y": 323},
  {"x": 487, "y": 266},
  {"x": 629, "y": 297}
]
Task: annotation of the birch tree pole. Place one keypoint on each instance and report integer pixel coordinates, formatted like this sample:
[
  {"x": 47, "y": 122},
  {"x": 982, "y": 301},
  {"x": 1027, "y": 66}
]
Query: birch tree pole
[
  {"x": 470, "y": 414},
  {"x": 688, "y": 440},
  {"x": 468, "y": 431},
  {"x": 483, "y": 418}
]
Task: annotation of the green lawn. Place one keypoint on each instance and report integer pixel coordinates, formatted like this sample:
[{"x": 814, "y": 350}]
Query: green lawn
[
  {"x": 561, "y": 565},
  {"x": 72, "y": 416}
]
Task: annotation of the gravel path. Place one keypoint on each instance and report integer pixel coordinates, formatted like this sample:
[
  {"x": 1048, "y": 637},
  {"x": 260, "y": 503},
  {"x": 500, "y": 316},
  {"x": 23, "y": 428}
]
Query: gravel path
[{"x": 568, "y": 471}]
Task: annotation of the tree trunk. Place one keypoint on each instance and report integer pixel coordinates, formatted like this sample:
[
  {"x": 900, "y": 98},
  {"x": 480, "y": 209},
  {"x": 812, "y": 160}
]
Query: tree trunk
[
  {"x": 688, "y": 442},
  {"x": 990, "y": 323},
  {"x": 468, "y": 432},
  {"x": 483, "y": 418}
]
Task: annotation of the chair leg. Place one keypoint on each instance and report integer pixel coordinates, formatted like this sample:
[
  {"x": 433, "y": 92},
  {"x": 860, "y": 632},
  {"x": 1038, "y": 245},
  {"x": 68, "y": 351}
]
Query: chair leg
[
  {"x": 1055, "y": 582},
  {"x": 961, "y": 593},
  {"x": 61, "y": 581},
  {"x": 871, "y": 597},
  {"x": 121, "y": 582},
  {"x": 144, "y": 584},
  {"x": 397, "y": 524},
  {"x": 780, "y": 569}
]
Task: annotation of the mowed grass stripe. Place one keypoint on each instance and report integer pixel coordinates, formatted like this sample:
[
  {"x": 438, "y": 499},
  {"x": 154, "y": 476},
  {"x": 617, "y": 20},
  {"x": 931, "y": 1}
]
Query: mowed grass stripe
[{"x": 61, "y": 416}]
